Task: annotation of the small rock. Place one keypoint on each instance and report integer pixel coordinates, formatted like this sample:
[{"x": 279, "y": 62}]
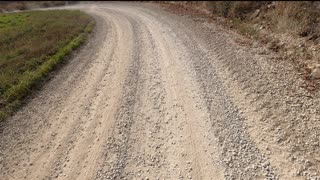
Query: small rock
[
  {"x": 255, "y": 14},
  {"x": 315, "y": 74}
]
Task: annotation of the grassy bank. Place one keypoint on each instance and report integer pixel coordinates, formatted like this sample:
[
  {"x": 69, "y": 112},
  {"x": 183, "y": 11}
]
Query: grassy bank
[
  {"x": 7, "y": 6},
  {"x": 31, "y": 45}
]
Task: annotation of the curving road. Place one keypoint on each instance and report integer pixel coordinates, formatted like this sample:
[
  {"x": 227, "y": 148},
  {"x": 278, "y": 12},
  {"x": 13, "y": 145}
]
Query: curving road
[{"x": 146, "y": 98}]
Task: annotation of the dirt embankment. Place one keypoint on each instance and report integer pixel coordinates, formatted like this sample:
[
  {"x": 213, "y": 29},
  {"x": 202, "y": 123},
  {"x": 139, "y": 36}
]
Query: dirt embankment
[{"x": 290, "y": 29}]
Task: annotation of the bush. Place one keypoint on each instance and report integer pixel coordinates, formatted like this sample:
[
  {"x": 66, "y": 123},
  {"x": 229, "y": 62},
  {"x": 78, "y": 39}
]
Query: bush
[
  {"x": 300, "y": 17},
  {"x": 221, "y": 7},
  {"x": 241, "y": 9}
]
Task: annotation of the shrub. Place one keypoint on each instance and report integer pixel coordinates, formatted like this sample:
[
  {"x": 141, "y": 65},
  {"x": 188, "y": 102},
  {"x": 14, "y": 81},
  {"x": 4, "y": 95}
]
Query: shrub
[
  {"x": 300, "y": 17},
  {"x": 241, "y": 9}
]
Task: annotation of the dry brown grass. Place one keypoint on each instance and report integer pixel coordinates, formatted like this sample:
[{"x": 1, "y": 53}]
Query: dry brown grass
[
  {"x": 299, "y": 17},
  {"x": 291, "y": 29}
]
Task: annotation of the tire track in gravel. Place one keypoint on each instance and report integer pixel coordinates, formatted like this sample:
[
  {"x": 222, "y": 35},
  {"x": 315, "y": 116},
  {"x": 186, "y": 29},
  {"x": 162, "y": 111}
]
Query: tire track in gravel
[
  {"x": 97, "y": 131},
  {"x": 70, "y": 148},
  {"x": 276, "y": 110},
  {"x": 69, "y": 141},
  {"x": 25, "y": 134},
  {"x": 271, "y": 102},
  {"x": 239, "y": 154},
  {"x": 268, "y": 119},
  {"x": 178, "y": 155},
  {"x": 117, "y": 144},
  {"x": 146, "y": 139},
  {"x": 189, "y": 124}
]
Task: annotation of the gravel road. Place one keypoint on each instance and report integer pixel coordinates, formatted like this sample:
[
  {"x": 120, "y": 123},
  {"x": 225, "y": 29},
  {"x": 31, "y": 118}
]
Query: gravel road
[{"x": 154, "y": 95}]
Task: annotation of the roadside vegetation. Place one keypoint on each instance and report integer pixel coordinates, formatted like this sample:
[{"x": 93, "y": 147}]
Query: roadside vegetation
[
  {"x": 7, "y": 6},
  {"x": 31, "y": 45},
  {"x": 291, "y": 29},
  {"x": 298, "y": 18}
]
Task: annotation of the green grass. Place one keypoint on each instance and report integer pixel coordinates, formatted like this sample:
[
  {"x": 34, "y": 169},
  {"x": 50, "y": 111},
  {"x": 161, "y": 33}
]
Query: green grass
[{"x": 31, "y": 45}]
